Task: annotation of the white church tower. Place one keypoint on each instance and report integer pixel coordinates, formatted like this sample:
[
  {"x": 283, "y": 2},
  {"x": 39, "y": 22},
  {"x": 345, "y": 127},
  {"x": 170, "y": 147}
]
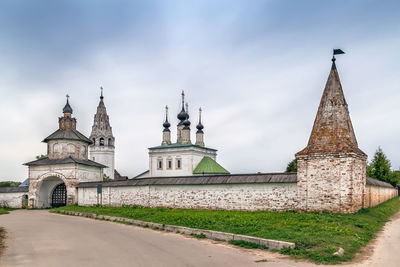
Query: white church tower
[{"x": 102, "y": 150}]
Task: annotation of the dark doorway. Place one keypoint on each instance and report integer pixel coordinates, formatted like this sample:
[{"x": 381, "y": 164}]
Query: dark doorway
[{"x": 59, "y": 196}]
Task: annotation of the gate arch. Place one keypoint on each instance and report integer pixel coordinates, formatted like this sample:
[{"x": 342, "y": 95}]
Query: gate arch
[{"x": 59, "y": 196}]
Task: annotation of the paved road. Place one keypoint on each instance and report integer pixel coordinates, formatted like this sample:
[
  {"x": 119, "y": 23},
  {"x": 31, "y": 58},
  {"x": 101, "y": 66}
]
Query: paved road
[{"x": 39, "y": 238}]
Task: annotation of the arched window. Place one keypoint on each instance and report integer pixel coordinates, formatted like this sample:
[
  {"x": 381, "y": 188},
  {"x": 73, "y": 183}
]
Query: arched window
[
  {"x": 178, "y": 163},
  {"x": 101, "y": 141},
  {"x": 109, "y": 142},
  {"x": 94, "y": 140}
]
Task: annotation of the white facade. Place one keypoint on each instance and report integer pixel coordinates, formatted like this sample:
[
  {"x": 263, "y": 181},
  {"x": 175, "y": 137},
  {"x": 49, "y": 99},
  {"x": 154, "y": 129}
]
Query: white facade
[
  {"x": 44, "y": 179},
  {"x": 104, "y": 155},
  {"x": 177, "y": 161}
]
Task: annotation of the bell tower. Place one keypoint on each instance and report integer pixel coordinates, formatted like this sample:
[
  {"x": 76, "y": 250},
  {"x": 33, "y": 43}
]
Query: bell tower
[{"x": 103, "y": 148}]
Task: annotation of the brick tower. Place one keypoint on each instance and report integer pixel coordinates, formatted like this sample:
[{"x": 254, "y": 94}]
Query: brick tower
[{"x": 331, "y": 169}]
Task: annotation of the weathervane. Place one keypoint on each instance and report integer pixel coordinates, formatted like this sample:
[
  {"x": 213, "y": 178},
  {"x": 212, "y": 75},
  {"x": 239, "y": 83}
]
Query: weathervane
[{"x": 336, "y": 52}]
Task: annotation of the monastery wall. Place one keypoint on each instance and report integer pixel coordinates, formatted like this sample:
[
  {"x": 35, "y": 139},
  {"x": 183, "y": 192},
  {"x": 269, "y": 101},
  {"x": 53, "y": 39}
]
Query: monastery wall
[
  {"x": 249, "y": 197},
  {"x": 13, "y": 197},
  {"x": 374, "y": 195}
]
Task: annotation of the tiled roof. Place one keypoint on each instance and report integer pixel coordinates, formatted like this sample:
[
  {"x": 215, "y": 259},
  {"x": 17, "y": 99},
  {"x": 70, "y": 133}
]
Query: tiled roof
[
  {"x": 177, "y": 145},
  {"x": 209, "y": 166},
  {"x": 375, "y": 182},
  {"x": 47, "y": 161},
  {"x": 203, "y": 180},
  {"x": 332, "y": 130},
  {"x": 70, "y": 134},
  {"x": 14, "y": 189}
]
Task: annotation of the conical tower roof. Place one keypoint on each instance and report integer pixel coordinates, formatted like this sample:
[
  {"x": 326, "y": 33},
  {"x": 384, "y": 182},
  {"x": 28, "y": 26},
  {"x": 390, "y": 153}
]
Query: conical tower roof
[
  {"x": 101, "y": 124},
  {"x": 332, "y": 131}
]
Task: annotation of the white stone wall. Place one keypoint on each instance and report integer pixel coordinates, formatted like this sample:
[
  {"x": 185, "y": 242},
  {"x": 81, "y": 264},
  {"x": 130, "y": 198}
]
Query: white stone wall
[
  {"x": 266, "y": 196},
  {"x": 333, "y": 183},
  {"x": 375, "y": 195},
  {"x": 12, "y": 200},
  {"x": 104, "y": 155},
  {"x": 190, "y": 158}
]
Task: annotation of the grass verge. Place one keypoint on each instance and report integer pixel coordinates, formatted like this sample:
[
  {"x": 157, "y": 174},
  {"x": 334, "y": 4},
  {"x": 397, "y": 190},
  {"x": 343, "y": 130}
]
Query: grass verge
[
  {"x": 3, "y": 211},
  {"x": 317, "y": 235},
  {"x": 2, "y": 232}
]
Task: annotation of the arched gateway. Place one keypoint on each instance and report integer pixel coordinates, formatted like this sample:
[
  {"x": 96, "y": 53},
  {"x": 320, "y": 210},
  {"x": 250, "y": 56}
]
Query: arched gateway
[{"x": 53, "y": 179}]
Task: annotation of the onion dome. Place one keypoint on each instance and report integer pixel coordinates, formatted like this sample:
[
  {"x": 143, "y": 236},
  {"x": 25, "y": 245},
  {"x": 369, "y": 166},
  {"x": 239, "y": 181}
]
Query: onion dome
[
  {"x": 186, "y": 122},
  {"x": 166, "y": 124},
  {"x": 200, "y": 126},
  {"x": 67, "y": 108},
  {"x": 183, "y": 114}
]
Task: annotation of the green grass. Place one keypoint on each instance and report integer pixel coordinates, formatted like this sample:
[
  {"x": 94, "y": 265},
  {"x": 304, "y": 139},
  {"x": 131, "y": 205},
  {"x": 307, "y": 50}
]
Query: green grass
[
  {"x": 2, "y": 231},
  {"x": 3, "y": 210},
  {"x": 317, "y": 235},
  {"x": 245, "y": 244}
]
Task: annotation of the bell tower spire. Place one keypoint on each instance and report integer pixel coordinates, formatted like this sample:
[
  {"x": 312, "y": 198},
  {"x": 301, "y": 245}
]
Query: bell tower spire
[{"x": 103, "y": 148}]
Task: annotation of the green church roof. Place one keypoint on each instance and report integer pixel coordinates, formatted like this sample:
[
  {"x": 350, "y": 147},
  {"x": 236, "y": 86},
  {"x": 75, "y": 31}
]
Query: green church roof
[{"x": 209, "y": 166}]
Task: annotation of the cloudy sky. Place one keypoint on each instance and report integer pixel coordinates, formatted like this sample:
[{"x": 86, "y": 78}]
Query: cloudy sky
[{"x": 257, "y": 69}]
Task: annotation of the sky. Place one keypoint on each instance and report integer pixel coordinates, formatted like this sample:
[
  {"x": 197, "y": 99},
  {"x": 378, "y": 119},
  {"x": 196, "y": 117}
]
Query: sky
[{"x": 256, "y": 68}]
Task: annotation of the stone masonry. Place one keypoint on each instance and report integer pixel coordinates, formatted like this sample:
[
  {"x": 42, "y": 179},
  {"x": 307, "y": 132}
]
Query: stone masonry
[{"x": 332, "y": 169}]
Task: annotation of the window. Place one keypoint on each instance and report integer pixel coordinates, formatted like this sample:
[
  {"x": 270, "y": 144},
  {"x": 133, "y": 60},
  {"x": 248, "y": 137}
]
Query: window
[
  {"x": 94, "y": 141},
  {"x": 159, "y": 164},
  {"x": 169, "y": 164},
  {"x": 178, "y": 163},
  {"x": 102, "y": 141},
  {"x": 109, "y": 142},
  {"x": 94, "y": 158}
]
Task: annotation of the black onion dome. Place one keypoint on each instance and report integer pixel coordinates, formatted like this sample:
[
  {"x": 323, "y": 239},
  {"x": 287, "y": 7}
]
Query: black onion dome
[
  {"x": 166, "y": 124},
  {"x": 67, "y": 108},
  {"x": 182, "y": 115},
  {"x": 200, "y": 126},
  {"x": 186, "y": 122}
]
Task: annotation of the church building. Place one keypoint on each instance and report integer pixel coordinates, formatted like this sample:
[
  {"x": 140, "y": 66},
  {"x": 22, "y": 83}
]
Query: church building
[
  {"x": 102, "y": 149},
  {"x": 53, "y": 178},
  {"x": 182, "y": 158}
]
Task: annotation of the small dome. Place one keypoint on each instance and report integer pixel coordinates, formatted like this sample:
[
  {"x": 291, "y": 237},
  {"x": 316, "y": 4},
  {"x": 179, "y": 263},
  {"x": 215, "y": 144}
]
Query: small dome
[
  {"x": 200, "y": 126},
  {"x": 166, "y": 124},
  {"x": 186, "y": 122},
  {"x": 67, "y": 108}
]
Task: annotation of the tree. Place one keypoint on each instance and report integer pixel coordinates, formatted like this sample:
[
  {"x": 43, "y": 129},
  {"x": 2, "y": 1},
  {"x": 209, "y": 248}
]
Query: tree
[
  {"x": 106, "y": 178},
  {"x": 41, "y": 156},
  {"x": 9, "y": 183},
  {"x": 292, "y": 166},
  {"x": 379, "y": 167}
]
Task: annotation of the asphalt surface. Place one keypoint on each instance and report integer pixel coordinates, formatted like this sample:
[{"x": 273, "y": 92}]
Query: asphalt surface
[{"x": 40, "y": 238}]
